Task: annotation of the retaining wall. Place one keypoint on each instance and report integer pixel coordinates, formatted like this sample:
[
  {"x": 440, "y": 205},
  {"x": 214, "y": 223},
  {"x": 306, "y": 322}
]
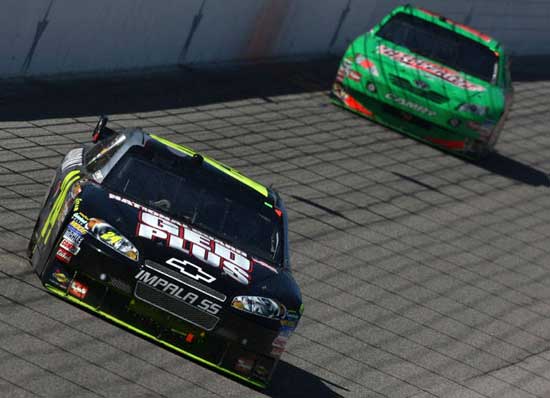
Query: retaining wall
[{"x": 44, "y": 37}]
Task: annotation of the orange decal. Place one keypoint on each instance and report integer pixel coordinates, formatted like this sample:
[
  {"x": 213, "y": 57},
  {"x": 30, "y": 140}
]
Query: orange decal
[
  {"x": 352, "y": 103},
  {"x": 450, "y": 144}
]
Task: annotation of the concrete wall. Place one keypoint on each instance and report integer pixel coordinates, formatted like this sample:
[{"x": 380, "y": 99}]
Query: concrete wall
[{"x": 43, "y": 37}]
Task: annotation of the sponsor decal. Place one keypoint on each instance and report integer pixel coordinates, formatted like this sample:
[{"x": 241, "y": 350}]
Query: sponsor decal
[
  {"x": 355, "y": 76},
  {"x": 72, "y": 159},
  {"x": 340, "y": 75},
  {"x": 366, "y": 64},
  {"x": 158, "y": 227},
  {"x": 278, "y": 345},
  {"x": 244, "y": 365},
  {"x": 442, "y": 72},
  {"x": 280, "y": 341},
  {"x": 73, "y": 235},
  {"x": 78, "y": 290},
  {"x": 77, "y": 202},
  {"x": 78, "y": 227},
  {"x": 345, "y": 70},
  {"x": 81, "y": 219},
  {"x": 191, "y": 270},
  {"x": 69, "y": 246},
  {"x": 411, "y": 105},
  {"x": 170, "y": 286},
  {"x": 261, "y": 371},
  {"x": 63, "y": 255},
  {"x": 59, "y": 278},
  {"x": 277, "y": 351}
]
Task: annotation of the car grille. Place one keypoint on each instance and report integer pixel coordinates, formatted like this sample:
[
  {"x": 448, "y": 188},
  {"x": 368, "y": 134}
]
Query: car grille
[
  {"x": 407, "y": 117},
  {"x": 428, "y": 94},
  {"x": 175, "y": 307}
]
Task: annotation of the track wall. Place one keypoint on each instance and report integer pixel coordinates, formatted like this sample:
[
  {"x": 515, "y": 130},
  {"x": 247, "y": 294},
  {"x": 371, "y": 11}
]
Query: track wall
[{"x": 51, "y": 37}]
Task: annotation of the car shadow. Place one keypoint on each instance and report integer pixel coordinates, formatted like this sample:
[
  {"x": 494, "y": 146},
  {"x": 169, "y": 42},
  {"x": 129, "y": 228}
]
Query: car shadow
[
  {"x": 291, "y": 381},
  {"x": 504, "y": 166}
]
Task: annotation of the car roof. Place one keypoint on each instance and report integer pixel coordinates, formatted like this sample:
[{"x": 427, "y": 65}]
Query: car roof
[
  {"x": 446, "y": 23},
  {"x": 229, "y": 171}
]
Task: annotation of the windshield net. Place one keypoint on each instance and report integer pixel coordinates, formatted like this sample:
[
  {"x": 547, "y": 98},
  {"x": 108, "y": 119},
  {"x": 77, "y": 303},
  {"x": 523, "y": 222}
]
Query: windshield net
[
  {"x": 201, "y": 196},
  {"x": 440, "y": 44}
]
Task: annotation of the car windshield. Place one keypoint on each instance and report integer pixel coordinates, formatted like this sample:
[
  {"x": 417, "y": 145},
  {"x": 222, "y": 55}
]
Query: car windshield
[
  {"x": 201, "y": 196},
  {"x": 442, "y": 45}
]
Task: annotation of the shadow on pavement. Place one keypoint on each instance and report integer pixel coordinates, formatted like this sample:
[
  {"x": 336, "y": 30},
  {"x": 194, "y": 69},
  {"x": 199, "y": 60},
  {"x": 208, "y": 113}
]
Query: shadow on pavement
[
  {"x": 290, "y": 381},
  {"x": 528, "y": 68},
  {"x": 32, "y": 99},
  {"x": 514, "y": 170}
]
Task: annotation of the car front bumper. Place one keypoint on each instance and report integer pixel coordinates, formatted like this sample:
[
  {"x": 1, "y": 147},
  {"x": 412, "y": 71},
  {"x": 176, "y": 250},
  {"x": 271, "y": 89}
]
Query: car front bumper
[
  {"x": 468, "y": 145},
  {"x": 104, "y": 285}
]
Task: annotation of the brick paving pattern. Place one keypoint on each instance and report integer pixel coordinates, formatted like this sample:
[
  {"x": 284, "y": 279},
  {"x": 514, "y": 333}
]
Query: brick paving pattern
[{"x": 423, "y": 275}]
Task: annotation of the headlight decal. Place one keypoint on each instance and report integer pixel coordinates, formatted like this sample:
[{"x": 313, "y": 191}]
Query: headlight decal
[
  {"x": 261, "y": 306},
  {"x": 110, "y": 236},
  {"x": 473, "y": 109}
]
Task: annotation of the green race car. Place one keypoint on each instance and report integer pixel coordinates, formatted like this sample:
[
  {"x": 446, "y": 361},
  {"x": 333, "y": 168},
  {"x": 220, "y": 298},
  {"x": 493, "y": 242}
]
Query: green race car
[{"x": 429, "y": 77}]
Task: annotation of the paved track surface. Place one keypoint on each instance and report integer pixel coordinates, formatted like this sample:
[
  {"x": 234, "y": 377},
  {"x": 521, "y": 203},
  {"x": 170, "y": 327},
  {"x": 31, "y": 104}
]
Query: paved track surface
[{"x": 423, "y": 275}]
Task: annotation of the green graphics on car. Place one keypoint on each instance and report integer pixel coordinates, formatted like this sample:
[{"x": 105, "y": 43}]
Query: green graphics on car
[{"x": 429, "y": 77}]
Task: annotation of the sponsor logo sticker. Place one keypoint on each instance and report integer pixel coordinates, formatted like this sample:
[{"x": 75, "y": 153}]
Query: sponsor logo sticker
[
  {"x": 69, "y": 246},
  {"x": 59, "y": 278},
  {"x": 411, "y": 105},
  {"x": 449, "y": 75},
  {"x": 73, "y": 235},
  {"x": 63, "y": 255},
  {"x": 78, "y": 290},
  {"x": 355, "y": 76},
  {"x": 366, "y": 64},
  {"x": 157, "y": 227},
  {"x": 244, "y": 365}
]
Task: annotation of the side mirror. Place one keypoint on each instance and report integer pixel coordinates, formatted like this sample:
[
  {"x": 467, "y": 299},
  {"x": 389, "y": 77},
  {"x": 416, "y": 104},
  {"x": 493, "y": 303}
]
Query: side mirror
[{"x": 100, "y": 131}]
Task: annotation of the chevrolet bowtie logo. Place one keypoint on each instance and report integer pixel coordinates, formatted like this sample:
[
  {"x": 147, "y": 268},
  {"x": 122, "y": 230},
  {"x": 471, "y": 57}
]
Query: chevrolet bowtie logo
[{"x": 191, "y": 270}]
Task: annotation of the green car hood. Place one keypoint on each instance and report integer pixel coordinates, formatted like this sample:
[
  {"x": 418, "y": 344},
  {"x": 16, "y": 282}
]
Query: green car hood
[{"x": 397, "y": 70}]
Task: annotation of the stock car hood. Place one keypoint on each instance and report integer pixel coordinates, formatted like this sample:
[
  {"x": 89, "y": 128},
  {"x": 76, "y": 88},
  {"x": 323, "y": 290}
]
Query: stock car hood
[
  {"x": 404, "y": 72},
  {"x": 155, "y": 244}
]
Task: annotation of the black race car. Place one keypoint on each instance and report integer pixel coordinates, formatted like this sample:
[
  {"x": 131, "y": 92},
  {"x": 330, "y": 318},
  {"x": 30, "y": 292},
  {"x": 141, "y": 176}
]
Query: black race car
[{"x": 174, "y": 246}]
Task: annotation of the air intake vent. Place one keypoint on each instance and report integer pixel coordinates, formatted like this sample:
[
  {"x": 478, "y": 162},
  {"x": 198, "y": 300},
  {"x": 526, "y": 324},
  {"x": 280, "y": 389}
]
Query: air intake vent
[
  {"x": 175, "y": 307},
  {"x": 428, "y": 94}
]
